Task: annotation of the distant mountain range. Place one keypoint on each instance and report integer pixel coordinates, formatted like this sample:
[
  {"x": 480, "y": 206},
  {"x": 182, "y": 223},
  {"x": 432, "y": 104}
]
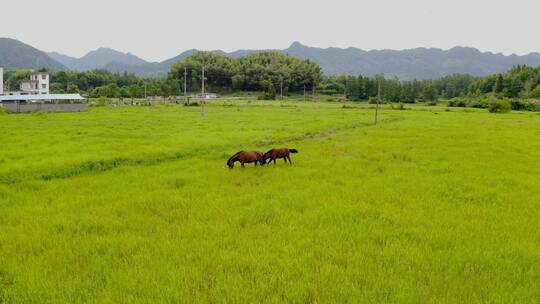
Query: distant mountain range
[
  {"x": 117, "y": 62},
  {"x": 419, "y": 63}
]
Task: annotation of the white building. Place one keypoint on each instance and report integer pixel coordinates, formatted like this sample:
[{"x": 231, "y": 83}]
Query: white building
[
  {"x": 206, "y": 96},
  {"x": 37, "y": 84},
  {"x": 41, "y": 80}
]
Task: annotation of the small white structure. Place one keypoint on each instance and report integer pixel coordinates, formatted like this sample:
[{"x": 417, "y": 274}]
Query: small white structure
[{"x": 206, "y": 96}]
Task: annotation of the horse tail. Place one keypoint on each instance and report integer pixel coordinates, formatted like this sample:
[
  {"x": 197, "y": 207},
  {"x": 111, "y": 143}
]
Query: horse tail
[{"x": 293, "y": 150}]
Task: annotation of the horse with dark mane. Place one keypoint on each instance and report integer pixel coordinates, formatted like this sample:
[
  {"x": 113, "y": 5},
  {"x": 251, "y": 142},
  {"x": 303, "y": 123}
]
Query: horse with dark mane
[
  {"x": 274, "y": 154},
  {"x": 246, "y": 157}
]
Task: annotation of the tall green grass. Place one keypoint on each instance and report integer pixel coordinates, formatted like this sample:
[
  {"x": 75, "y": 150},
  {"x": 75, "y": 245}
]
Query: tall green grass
[{"x": 136, "y": 204}]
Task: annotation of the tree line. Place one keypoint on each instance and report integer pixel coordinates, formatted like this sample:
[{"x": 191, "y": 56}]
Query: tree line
[
  {"x": 270, "y": 72},
  {"x": 520, "y": 82}
]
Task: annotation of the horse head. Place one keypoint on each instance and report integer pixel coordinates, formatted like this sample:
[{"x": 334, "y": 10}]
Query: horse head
[{"x": 266, "y": 156}]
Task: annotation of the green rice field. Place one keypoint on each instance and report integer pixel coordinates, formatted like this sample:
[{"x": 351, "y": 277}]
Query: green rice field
[{"x": 137, "y": 205}]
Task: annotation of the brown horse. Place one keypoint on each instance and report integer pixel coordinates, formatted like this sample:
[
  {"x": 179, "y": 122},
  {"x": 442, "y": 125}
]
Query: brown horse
[
  {"x": 246, "y": 157},
  {"x": 274, "y": 154}
]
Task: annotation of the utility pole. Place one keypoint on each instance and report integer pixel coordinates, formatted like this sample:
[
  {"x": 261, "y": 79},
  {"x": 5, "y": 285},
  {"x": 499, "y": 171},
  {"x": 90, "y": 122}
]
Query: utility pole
[
  {"x": 304, "y": 92},
  {"x": 378, "y": 101},
  {"x": 145, "y": 91},
  {"x": 202, "y": 96},
  {"x": 185, "y": 86},
  {"x": 281, "y": 89}
]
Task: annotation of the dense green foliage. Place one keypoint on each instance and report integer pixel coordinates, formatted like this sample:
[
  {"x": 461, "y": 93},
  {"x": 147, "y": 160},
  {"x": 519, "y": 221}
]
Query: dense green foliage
[
  {"x": 520, "y": 82},
  {"x": 136, "y": 204},
  {"x": 499, "y": 106},
  {"x": 492, "y": 102},
  {"x": 264, "y": 71}
]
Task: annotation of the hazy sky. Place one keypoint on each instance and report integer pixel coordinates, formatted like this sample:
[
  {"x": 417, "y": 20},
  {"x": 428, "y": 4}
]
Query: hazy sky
[{"x": 159, "y": 29}]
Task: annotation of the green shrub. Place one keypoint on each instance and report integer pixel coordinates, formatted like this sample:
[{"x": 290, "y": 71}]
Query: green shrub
[
  {"x": 3, "y": 111},
  {"x": 499, "y": 105},
  {"x": 399, "y": 106},
  {"x": 535, "y": 93},
  {"x": 533, "y": 106},
  {"x": 457, "y": 102},
  {"x": 266, "y": 96},
  {"x": 524, "y": 105},
  {"x": 372, "y": 100},
  {"x": 479, "y": 104},
  {"x": 518, "y": 105}
]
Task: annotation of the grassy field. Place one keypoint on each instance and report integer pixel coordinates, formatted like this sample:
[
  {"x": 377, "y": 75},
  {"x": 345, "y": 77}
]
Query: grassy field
[{"x": 136, "y": 204}]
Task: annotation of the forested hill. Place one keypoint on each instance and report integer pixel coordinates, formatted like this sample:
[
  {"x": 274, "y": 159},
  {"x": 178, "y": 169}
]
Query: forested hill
[
  {"x": 17, "y": 55},
  {"x": 419, "y": 63}
]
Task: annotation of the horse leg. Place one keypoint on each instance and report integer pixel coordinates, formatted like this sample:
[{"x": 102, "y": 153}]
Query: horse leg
[
  {"x": 289, "y": 158},
  {"x": 274, "y": 161},
  {"x": 242, "y": 164}
]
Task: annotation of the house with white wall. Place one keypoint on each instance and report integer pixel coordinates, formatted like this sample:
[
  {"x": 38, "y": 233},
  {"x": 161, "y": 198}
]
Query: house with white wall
[{"x": 38, "y": 83}]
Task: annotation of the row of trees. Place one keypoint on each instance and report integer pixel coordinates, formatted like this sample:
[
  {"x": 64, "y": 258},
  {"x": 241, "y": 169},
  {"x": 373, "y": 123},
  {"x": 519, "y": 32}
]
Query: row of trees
[
  {"x": 365, "y": 88},
  {"x": 269, "y": 71},
  {"x": 519, "y": 82}
]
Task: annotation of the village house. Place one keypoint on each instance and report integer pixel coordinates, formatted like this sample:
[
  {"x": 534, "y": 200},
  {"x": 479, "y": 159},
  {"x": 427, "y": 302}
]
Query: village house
[{"x": 37, "y": 84}]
